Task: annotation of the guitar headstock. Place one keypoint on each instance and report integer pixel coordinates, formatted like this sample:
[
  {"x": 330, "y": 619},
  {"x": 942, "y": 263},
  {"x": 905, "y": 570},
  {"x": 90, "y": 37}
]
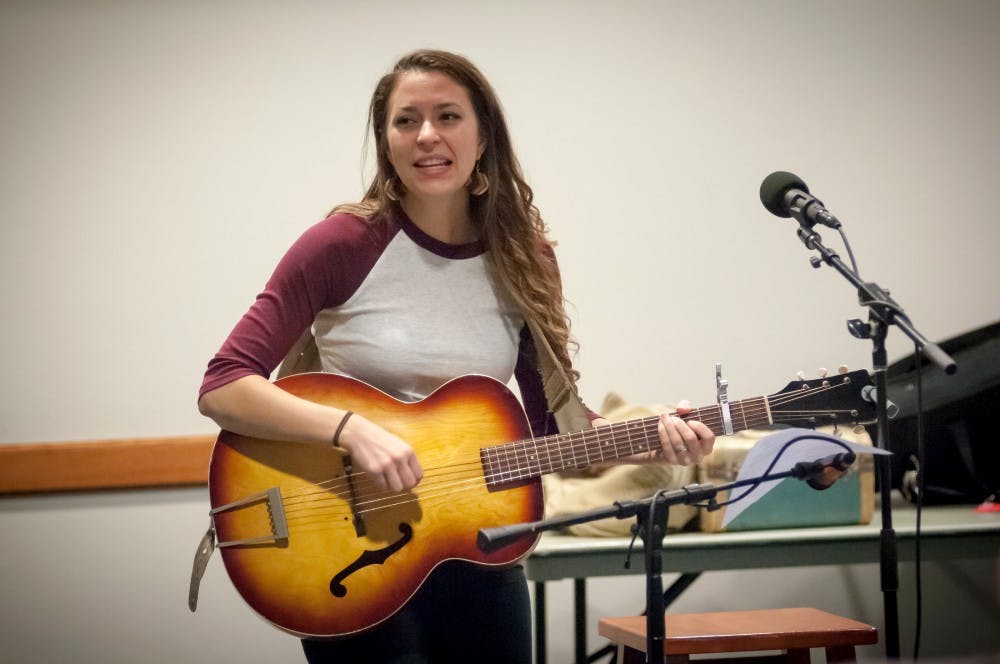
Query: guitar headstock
[{"x": 826, "y": 400}]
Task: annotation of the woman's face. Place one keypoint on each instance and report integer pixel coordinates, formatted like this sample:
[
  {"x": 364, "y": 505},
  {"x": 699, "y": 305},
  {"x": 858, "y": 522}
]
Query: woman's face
[{"x": 432, "y": 135}]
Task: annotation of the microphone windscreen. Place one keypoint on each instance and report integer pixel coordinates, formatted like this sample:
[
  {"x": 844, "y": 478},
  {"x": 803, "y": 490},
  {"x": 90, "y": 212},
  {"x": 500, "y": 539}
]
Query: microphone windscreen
[{"x": 773, "y": 188}]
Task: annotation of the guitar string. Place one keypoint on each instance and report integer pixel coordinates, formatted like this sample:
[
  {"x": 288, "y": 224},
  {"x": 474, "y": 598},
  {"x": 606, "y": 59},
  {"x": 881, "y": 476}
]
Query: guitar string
[
  {"x": 531, "y": 467},
  {"x": 318, "y": 519},
  {"x": 340, "y": 508},
  {"x": 426, "y": 497},
  {"x": 380, "y": 500},
  {"x": 372, "y": 500},
  {"x": 387, "y": 501},
  {"x": 321, "y": 519},
  {"x": 432, "y": 463},
  {"x": 377, "y": 495}
]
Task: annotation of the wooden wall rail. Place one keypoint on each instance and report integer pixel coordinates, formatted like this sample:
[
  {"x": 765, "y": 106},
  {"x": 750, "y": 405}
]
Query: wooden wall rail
[{"x": 105, "y": 464}]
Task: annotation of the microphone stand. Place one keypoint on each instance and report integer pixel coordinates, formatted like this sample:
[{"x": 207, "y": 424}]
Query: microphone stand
[
  {"x": 883, "y": 311},
  {"x": 651, "y": 525}
]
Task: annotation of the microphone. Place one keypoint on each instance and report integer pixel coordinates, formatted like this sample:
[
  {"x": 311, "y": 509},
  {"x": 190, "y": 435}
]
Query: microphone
[
  {"x": 786, "y": 195},
  {"x": 489, "y": 540},
  {"x": 823, "y": 473}
]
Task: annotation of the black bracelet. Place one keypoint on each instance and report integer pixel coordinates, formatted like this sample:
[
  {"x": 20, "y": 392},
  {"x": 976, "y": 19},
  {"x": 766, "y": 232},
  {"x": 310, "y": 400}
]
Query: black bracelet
[{"x": 340, "y": 427}]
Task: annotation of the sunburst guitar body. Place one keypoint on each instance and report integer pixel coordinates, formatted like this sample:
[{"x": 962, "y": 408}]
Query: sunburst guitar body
[{"x": 318, "y": 550}]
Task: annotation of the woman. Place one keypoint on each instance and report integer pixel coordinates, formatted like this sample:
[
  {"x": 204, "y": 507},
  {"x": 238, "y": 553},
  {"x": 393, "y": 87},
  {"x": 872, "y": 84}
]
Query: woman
[{"x": 431, "y": 276}]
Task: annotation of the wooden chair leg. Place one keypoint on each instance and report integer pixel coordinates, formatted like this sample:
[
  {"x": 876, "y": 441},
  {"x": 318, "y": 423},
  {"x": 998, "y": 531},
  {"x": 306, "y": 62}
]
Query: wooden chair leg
[
  {"x": 628, "y": 655},
  {"x": 797, "y": 656},
  {"x": 840, "y": 654}
]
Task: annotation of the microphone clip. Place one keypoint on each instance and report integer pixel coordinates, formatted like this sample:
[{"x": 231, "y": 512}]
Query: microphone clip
[
  {"x": 823, "y": 473},
  {"x": 808, "y": 210}
]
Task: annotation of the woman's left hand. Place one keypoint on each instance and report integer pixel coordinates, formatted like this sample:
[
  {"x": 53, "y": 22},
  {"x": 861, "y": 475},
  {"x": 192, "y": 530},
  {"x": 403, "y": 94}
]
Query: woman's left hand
[{"x": 683, "y": 442}]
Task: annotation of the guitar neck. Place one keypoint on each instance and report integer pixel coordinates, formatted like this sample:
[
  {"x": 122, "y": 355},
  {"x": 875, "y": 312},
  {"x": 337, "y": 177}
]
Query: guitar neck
[{"x": 527, "y": 459}]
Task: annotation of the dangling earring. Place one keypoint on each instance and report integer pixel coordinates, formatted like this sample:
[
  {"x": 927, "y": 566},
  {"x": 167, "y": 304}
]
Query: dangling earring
[
  {"x": 389, "y": 189},
  {"x": 478, "y": 182}
]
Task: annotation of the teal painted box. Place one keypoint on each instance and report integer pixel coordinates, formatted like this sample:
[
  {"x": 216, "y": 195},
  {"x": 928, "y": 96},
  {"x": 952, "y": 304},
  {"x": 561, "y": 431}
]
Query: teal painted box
[{"x": 789, "y": 503}]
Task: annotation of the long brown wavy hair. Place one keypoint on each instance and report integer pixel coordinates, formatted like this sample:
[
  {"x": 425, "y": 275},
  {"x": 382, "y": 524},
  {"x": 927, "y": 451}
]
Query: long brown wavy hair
[{"x": 518, "y": 251}]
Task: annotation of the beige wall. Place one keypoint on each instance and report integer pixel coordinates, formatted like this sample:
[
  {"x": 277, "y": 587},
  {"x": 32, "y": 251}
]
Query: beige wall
[{"x": 156, "y": 159}]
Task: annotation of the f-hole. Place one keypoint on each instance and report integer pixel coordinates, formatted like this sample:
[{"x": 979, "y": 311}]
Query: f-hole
[{"x": 377, "y": 557}]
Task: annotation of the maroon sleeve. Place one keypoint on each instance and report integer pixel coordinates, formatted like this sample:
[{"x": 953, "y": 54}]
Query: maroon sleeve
[{"x": 322, "y": 269}]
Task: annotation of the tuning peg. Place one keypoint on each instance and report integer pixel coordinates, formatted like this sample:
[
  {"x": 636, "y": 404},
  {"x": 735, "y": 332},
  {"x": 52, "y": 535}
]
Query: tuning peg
[
  {"x": 822, "y": 372},
  {"x": 842, "y": 369},
  {"x": 801, "y": 375}
]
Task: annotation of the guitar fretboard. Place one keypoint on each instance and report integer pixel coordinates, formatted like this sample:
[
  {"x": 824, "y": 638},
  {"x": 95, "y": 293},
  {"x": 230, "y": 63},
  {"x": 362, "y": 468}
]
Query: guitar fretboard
[{"x": 522, "y": 460}]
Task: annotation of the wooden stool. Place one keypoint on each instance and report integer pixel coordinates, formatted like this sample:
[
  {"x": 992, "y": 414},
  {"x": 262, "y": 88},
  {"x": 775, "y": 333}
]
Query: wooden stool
[{"x": 794, "y": 631}]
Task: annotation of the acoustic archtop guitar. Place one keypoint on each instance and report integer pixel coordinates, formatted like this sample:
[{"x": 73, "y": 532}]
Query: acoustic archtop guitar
[{"x": 314, "y": 547}]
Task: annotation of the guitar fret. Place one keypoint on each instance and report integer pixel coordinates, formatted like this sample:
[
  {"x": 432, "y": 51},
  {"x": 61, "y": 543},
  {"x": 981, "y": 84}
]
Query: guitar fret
[
  {"x": 498, "y": 460},
  {"x": 743, "y": 413},
  {"x": 487, "y": 456},
  {"x": 593, "y": 444},
  {"x": 572, "y": 451},
  {"x": 602, "y": 441},
  {"x": 508, "y": 472},
  {"x": 602, "y": 445},
  {"x": 548, "y": 455},
  {"x": 493, "y": 456},
  {"x": 531, "y": 457},
  {"x": 536, "y": 459},
  {"x": 558, "y": 449},
  {"x": 628, "y": 439},
  {"x": 755, "y": 407},
  {"x": 610, "y": 438},
  {"x": 652, "y": 433},
  {"x": 526, "y": 467},
  {"x": 510, "y": 454},
  {"x": 517, "y": 451},
  {"x": 711, "y": 416},
  {"x": 583, "y": 445},
  {"x": 589, "y": 447},
  {"x": 587, "y": 438}
]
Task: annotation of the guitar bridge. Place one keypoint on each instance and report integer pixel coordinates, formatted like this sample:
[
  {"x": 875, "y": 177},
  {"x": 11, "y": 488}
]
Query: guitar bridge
[{"x": 257, "y": 519}]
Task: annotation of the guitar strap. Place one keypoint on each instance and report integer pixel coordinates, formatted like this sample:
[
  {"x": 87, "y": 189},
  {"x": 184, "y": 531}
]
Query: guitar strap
[
  {"x": 303, "y": 357},
  {"x": 560, "y": 395},
  {"x": 205, "y": 549},
  {"x": 560, "y": 392}
]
